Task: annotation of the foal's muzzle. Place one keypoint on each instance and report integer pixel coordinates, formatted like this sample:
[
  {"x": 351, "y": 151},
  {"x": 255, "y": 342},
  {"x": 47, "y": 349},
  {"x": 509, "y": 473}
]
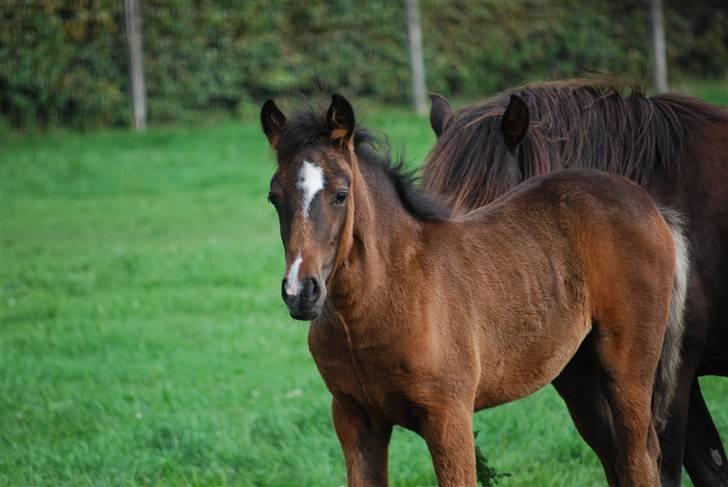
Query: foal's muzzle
[{"x": 306, "y": 304}]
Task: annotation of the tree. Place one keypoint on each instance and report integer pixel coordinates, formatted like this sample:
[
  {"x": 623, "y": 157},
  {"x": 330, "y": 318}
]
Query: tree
[
  {"x": 417, "y": 63},
  {"x": 133, "y": 21},
  {"x": 659, "y": 62}
]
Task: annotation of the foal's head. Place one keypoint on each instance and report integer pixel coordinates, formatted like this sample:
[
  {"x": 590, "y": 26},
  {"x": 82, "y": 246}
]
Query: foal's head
[{"x": 310, "y": 191}]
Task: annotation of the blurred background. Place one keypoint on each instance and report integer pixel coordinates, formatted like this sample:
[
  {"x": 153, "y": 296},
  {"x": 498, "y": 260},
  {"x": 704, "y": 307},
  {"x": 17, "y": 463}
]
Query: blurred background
[
  {"x": 142, "y": 337},
  {"x": 66, "y": 62}
]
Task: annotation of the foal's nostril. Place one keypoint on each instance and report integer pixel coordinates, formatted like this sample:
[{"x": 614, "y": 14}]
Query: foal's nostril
[
  {"x": 312, "y": 290},
  {"x": 284, "y": 293}
]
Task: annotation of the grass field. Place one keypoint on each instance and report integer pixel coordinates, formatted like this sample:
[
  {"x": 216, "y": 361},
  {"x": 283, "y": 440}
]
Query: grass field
[{"x": 143, "y": 339}]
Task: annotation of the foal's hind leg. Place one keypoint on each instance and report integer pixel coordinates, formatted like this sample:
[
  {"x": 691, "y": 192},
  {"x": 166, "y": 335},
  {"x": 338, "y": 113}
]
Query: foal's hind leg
[
  {"x": 673, "y": 434},
  {"x": 629, "y": 362},
  {"x": 579, "y": 385}
]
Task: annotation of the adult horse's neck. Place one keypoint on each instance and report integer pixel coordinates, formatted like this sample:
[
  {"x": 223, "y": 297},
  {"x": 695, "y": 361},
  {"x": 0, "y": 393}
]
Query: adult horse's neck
[{"x": 382, "y": 236}]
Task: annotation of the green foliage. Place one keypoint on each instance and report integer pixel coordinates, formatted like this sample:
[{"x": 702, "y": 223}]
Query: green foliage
[
  {"x": 66, "y": 63},
  {"x": 60, "y": 63}
]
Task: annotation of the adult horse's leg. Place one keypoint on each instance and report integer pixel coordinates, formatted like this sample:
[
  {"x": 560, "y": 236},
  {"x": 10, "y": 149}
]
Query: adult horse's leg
[
  {"x": 448, "y": 431},
  {"x": 579, "y": 385},
  {"x": 705, "y": 458},
  {"x": 675, "y": 435},
  {"x": 672, "y": 435},
  {"x": 690, "y": 438},
  {"x": 364, "y": 441}
]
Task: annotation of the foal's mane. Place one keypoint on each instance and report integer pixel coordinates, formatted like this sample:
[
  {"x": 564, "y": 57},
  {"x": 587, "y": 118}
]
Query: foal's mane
[
  {"x": 594, "y": 123},
  {"x": 308, "y": 127}
]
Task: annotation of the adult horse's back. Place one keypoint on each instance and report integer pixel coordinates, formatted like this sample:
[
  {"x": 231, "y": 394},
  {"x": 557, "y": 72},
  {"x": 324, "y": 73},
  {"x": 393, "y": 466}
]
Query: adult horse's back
[{"x": 674, "y": 146}]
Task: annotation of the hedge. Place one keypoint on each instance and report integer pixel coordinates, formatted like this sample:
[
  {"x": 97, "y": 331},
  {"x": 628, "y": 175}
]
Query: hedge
[{"x": 64, "y": 62}]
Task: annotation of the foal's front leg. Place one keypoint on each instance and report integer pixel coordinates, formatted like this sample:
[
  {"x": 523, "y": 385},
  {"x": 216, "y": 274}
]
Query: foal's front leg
[
  {"x": 448, "y": 432},
  {"x": 364, "y": 441}
]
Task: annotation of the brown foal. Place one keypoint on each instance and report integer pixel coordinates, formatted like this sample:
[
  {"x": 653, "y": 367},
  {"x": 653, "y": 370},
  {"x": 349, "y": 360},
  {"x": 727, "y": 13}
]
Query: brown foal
[{"x": 419, "y": 319}]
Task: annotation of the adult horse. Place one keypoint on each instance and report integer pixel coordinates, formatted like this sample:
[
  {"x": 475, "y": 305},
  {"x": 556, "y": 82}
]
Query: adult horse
[
  {"x": 674, "y": 146},
  {"x": 419, "y": 319}
]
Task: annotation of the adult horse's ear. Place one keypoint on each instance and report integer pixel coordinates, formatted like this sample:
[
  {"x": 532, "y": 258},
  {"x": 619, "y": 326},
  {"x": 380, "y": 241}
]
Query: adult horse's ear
[
  {"x": 514, "y": 123},
  {"x": 441, "y": 114},
  {"x": 273, "y": 121},
  {"x": 340, "y": 120}
]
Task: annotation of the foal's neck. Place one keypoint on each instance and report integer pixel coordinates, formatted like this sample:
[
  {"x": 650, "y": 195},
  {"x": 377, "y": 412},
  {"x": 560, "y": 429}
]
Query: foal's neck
[{"x": 385, "y": 237}]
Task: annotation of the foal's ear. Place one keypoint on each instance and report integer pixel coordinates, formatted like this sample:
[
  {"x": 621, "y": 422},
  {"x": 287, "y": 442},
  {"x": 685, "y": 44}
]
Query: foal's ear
[
  {"x": 273, "y": 121},
  {"x": 514, "y": 123},
  {"x": 340, "y": 120},
  {"x": 441, "y": 114}
]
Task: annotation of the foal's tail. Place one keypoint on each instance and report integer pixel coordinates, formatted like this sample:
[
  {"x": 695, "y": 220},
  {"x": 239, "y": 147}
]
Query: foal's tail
[{"x": 667, "y": 368}]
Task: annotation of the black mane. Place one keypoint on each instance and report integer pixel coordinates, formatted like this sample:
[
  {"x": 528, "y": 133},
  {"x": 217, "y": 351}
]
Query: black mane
[{"x": 307, "y": 128}]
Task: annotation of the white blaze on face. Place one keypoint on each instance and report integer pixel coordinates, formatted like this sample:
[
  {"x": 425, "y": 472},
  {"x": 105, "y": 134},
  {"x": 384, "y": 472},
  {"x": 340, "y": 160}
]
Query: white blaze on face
[
  {"x": 310, "y": 182},
  {"x": 292, "y": 283}
]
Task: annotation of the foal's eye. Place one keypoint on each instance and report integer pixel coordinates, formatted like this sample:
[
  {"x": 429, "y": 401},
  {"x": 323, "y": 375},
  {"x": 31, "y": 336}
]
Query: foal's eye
[
  {"x": 340, "y": 197},
  {"x": 271, "y": 198}
]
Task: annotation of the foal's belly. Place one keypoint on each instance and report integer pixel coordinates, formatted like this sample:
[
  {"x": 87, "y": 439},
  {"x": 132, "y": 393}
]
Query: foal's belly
[{"x": 532, "y": 356}]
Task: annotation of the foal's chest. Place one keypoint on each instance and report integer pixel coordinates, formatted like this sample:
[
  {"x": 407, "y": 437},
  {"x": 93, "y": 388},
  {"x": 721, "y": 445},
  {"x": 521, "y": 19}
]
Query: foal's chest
[{"x": 374, "y": 375}]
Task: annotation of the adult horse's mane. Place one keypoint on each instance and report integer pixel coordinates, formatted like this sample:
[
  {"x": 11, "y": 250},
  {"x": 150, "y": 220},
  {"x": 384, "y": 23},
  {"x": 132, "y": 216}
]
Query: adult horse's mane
[
  {"x": 308, "y": 127},
  {"x": 594, "y": 123}
]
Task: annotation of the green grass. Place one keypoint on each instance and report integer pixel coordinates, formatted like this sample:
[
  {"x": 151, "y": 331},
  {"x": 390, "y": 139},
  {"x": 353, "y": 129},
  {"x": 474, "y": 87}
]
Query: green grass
[
  {"x": 143, "y": 340},
  {"x": 715, "y": 91}
]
